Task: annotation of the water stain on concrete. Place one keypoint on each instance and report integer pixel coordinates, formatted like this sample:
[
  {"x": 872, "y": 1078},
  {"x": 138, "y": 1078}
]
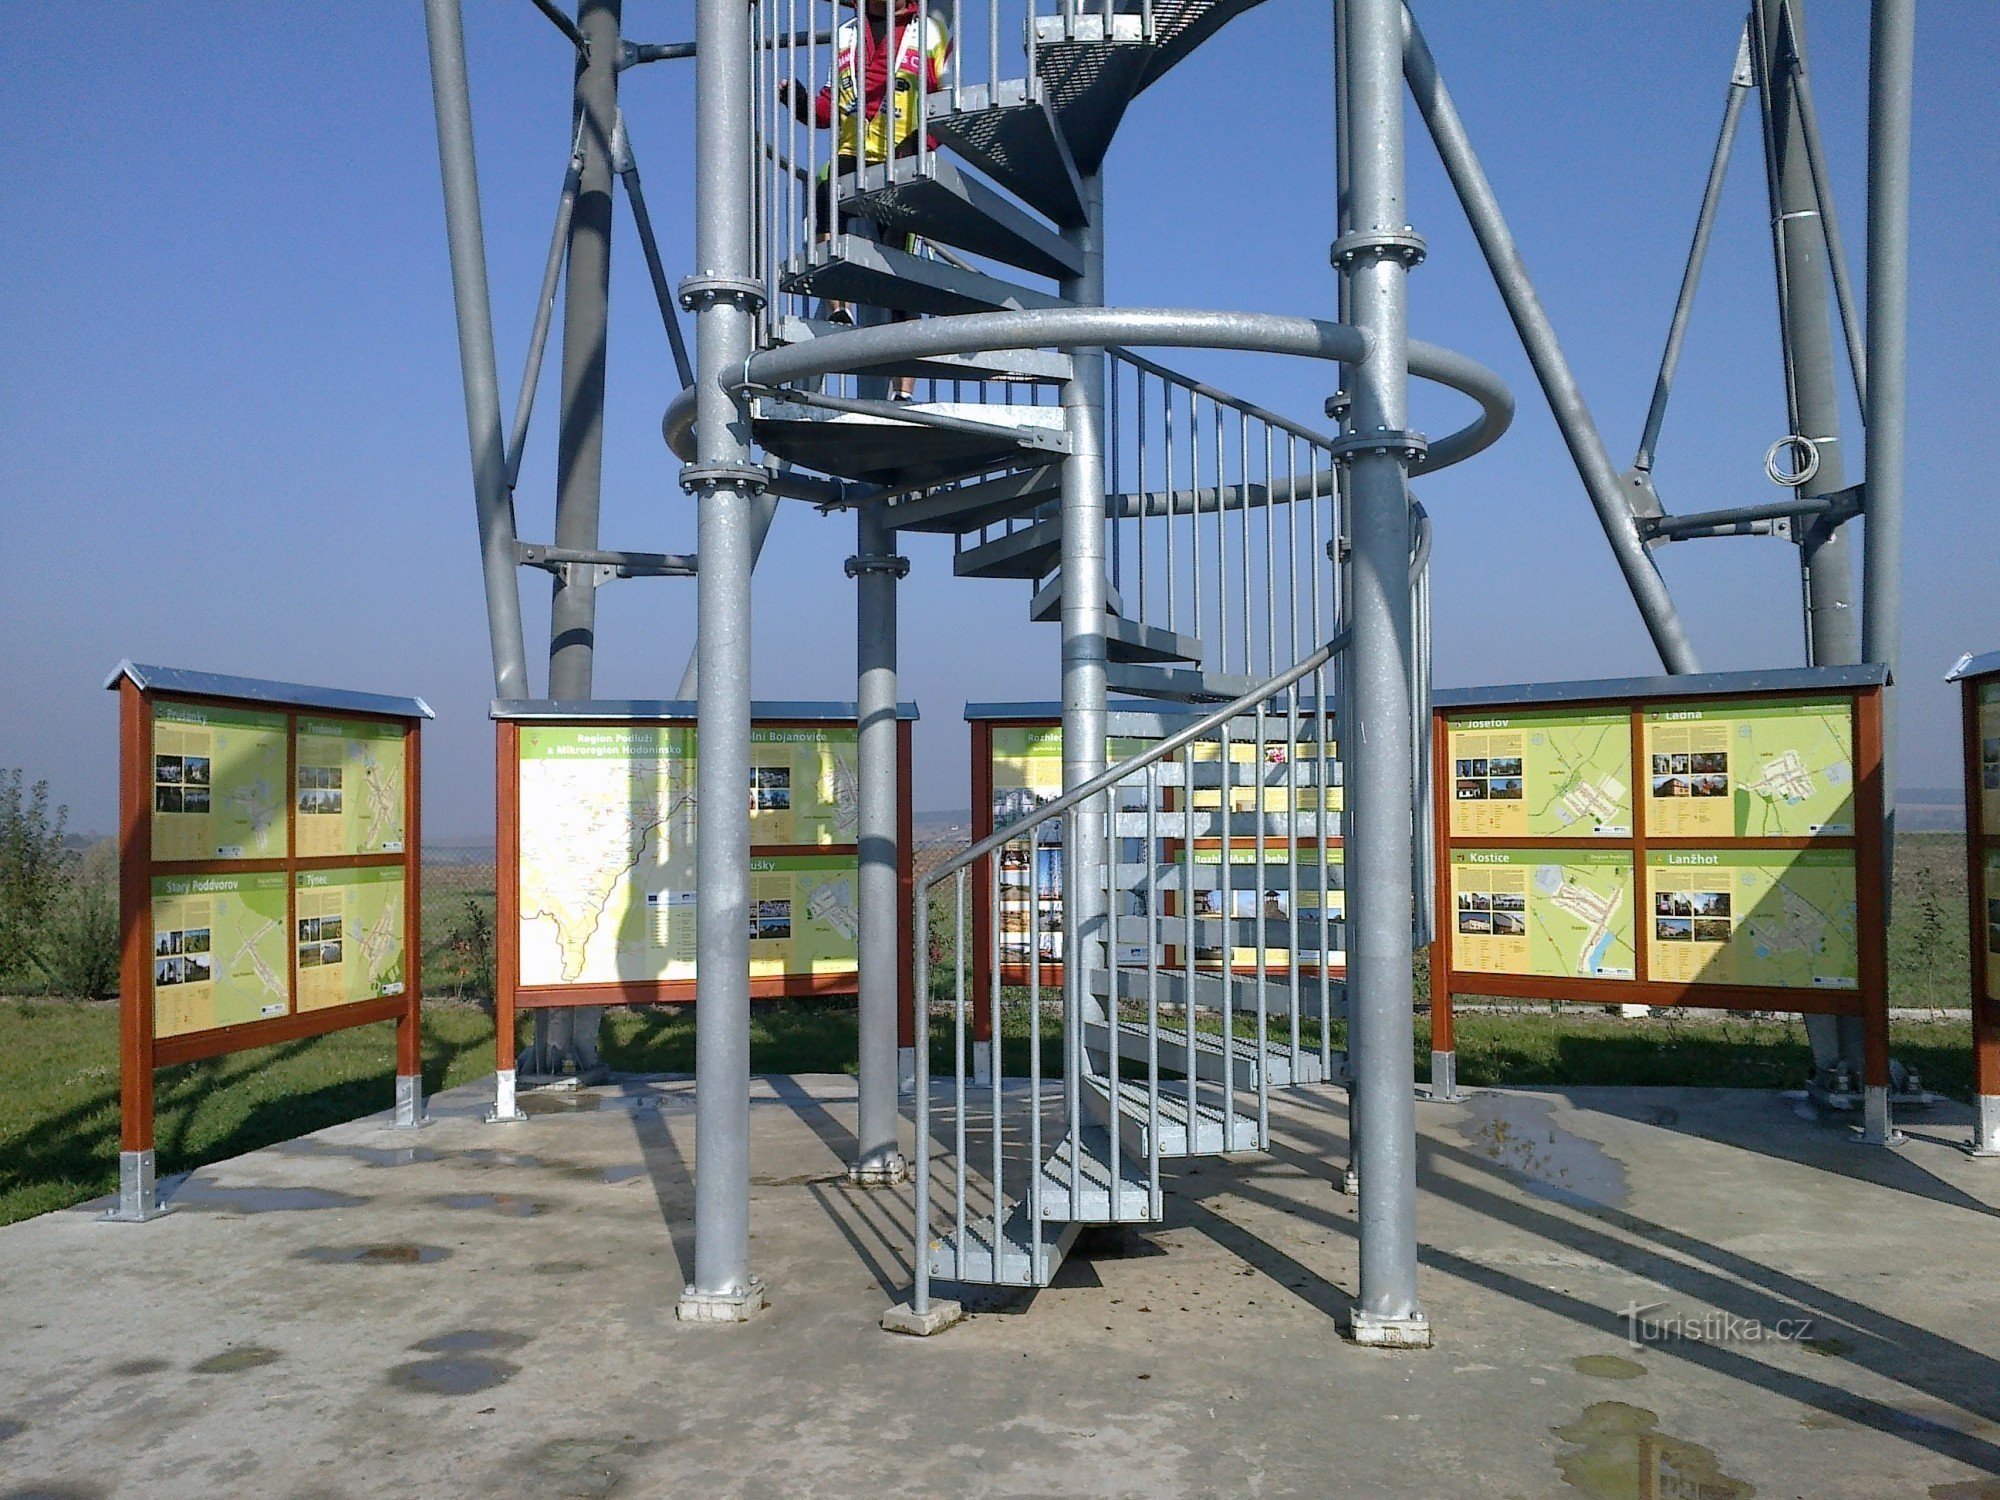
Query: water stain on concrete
[
  {"x": 470, "y": 1341},
  {"x": 560, "y": 1104},
  {"x": 139, "y": 1367},
  {"x": 589, "y": 1468},
  {"x": 1607, "y": 1367},
  {"x": 453, "y": 1375},
  {"x": 368, "y": 1156},
  {"x": 1831, "y": 1347},
  {"x": 500, "y": 1203},
  {"x": 11, "y": 1427},
  {"x": 486, "y": 1157},
  {"x": 236, "y": 1361},
  {"x": 1521, "y": 1136},
  {"x": 1618, "y": 1453},
  {"x": 374, "y": 1255},
  {"x": 58, "y": 1490},
  {"x": 624, "y": 1173},
  {"x": 215, "y": 1197}
]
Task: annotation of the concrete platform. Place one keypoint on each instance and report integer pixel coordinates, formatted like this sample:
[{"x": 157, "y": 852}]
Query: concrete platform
[{"x": 489, "y": 1310}]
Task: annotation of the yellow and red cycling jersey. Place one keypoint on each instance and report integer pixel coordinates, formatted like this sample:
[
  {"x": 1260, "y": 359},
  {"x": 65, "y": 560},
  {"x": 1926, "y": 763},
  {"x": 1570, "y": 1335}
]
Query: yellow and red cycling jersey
[{"x": 863, "y": 68}]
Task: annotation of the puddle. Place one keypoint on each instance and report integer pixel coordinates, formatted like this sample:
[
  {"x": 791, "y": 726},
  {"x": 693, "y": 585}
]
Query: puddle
[
  {"x": 453, "y": 1375},
  {"x": 374, "y": 1255},
  {"x": 470, "y": 1341},
  {"x": 623, "y": 1174},
  {"x": 368, "y": 1156},
  {"x": 1521, "y": 1136},
  {"x": 139, "y": 1367},
  {"x": 486, "y": 1157},
  {"x": 11, "y": 1427},
  {"x": 236, "y": 1361},
  {"x": 1607, "y": 1367},
  {"x": 1618, "y": 1453},
  {"x": 199, "y": 1194},
  {"x": 587, "y": 1468},
  {"x": 500, "y": 1203}
]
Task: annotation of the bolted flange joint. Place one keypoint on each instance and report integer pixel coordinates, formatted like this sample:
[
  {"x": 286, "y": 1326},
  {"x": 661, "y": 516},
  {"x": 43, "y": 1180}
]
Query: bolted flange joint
[
  {"x": 722, "y": 476},
  {"x": 695, "y": 290},
  {"x": 1403, "y": 244},
  {"x": 879, "y": 562},
  {"x": 1410, "y": 447},
  {"x": 1338, "y": 405}
]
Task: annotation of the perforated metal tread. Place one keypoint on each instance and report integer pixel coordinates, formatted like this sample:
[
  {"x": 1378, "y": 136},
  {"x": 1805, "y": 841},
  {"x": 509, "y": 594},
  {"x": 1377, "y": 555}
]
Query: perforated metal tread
[
  {"x": 1009, "y": 133},
  {"x": 1011, "y": 1262},
  {"x": 1011, "y": 366},
  {"x": 944, "y": 204},
  {"x": 969, "y": 507},
  {"x": 1028, "y": 552},
  {"x": 1178, "y": 684},
  {"x": 888, "y": 448},
  {"x": 848, "y": 268},
  {"x": 1277, "y": 1060},
  {"x": 1216, "y": 1130},
  {"x": 1095, "y": 1166},
  {"x": 1207, "y": 990}
]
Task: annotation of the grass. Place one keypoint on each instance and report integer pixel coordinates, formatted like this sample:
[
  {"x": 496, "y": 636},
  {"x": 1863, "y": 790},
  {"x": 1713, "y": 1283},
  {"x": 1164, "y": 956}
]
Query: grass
[{"x": 59, "y": 1072}]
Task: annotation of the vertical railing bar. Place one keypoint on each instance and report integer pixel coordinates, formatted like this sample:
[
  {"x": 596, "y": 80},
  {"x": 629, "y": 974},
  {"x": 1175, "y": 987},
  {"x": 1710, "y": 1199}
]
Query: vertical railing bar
[
  {"x": 1075, "y": 982},
  {"x": 1291, "y": 815},
  {"x": 958, "y": 1217},
  {"x": 1167, "y": 484},
  {"x": 1116, "y": 448},
  {"x": 1144, "y": 522},
  {"x": 1292, "y": 744},
  {"x": 1153, "y": 934},
  {"x": 1035, "y": 1251},
  {"x": 992, "y": 53},
  {"x": 994, "y": 1071},
  {"x": 920, "y": 1296},
  {"x": 1226, "y": 876},
  {"x": 1318, "y": 560},
  {"x": 1194, "y": 508},
  {"x": 1187, "y": 801}
]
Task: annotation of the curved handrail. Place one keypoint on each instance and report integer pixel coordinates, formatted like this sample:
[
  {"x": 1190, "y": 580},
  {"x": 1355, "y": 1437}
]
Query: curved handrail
[{"x": 1104, "y": 327}]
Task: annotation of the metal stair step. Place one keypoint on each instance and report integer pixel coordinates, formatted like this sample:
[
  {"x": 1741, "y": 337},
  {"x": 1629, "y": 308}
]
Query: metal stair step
[
  {"x": 1243, "y": 1056},
  {"x": 1028, "y": 552},
  {"x": 849, "y": 268},
  {"x": 1210, "y": 775},
  {"x": 1008, "y": 132},
  {"x": 1046, "y": 607},
  {"x": 1012, "y": 1263},
  {"x": 1270, "y": 933},
  {"x": 1178, "y": 684},
  {"x": 1216, "y": 1130},
  {"x": 1014, "y": 366},
  {"x": 1134, "y": 641},
  {"x": 1095, "y": 1164},
  {"x": 1273, "y": 875},
  {"x": 944, "y": 204},
  {"x": 1213, "y": 824},
  {"x": 889, "y": 447},
  {"x": 1207, "y": 990},
  {"x": 967, "y": 507}
]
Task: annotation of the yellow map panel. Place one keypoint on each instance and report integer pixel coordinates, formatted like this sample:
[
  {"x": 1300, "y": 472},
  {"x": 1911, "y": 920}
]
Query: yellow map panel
[
  {"x": 1778, "y": 917},
  {"x": 348, "y": 941},
  {"x": 1541, "y": 774},
  {"x": 348, "y": 786},
  {"x": 1555, "y": 913},
  {"x": 218, "y": 779},
  {"x": 218, "y": 951},
  {"x": 1780, "y": 769}
]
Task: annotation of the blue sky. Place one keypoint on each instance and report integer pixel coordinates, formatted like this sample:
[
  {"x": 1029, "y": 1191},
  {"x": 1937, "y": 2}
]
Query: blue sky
[{"x": 232, "y": 434}]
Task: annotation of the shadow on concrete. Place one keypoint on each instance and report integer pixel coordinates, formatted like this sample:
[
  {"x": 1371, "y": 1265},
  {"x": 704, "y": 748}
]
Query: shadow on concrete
[
  {"x": 672, "y": 1184},
  {"x": 1876, "y": 1341}
]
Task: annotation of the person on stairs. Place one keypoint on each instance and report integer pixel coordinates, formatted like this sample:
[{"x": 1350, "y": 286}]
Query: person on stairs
[{"x": 893, "y": 74}]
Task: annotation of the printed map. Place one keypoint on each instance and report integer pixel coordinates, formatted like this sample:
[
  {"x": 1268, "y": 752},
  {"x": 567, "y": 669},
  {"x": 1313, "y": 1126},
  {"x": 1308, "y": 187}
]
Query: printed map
[
  {"x": 1778, "y": 917},
  {"x": 1780, "y": 769},
  {"x": 1541, "y": 775},
  {"x": 218, "y": 951},
  {"x": 1558, "y": 913}
]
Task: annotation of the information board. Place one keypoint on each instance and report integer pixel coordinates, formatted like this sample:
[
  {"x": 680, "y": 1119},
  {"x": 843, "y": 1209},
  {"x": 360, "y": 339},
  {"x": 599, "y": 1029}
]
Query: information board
[
  {"x": 348, "y": 781},
  {"x": 1737, "y": 865},
  {"x": 1546, "y": 774},
  {"x": 268, "y": 879},
  {"x": 1987, "y": 943},
  {"x": 218, "y": 951},
  {"x": 218, "y": 782},
  {"x": 1781, "y": 769},
  {"x": 598, "y": 824},
  {"x": 1987, "y": 737},
  {"x": 348, "y": 935}
]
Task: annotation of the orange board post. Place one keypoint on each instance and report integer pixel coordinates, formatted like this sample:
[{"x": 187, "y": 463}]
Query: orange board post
[
  {"x": 1714, "y": 841},
  {"x": 1978, "y": 679},
  {"x": 217, "y": 775}
]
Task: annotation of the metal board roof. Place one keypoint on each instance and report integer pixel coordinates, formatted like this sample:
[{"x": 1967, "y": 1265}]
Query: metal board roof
[
  {"x": 1693, "y": 685},
  {"x": 609, "y": 710},
  {"x": 150, "y": 679},
  {"x": 1974, "y": 666}
]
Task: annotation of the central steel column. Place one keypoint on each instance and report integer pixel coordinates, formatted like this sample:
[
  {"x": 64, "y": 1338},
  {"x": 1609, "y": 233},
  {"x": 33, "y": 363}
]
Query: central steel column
[
  {"x": 878, "y": 1158},
  {"x": 1378, "y": 252},
  {"x": 725, "y": 294},
  {"x": 1083, "y": 610},
  {"x": 580, "y": 446},
  {"x": 1826, "y": 564}
]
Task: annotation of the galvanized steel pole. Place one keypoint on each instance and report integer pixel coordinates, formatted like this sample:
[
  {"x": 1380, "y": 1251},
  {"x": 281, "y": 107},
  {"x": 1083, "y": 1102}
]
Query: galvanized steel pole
[
  {"x": 1378, "y": 253},
  {"x": 452, "y": 99},
  {"x": 1083, "y": 611},
  {"x": 580, "y": 441},
  {"x": 725, "y": 293},
  {"x": 1538, "y": 339},
  {"x": 1891, "y": 80}
]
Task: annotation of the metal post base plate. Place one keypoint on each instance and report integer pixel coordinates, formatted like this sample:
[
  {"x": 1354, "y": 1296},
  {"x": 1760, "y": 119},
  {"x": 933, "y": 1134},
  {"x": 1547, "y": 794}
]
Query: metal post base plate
[
  {"x": 940, "y": 1315},
  {"x": 1985, "y": 1140},
  {"x": 906, "y": 1071},
  {"x": 1876, "y": 1126},
  {"x": 138, "y": 1198},
  {"x": 504, "y": 1110},
  {"x": 721, "y": 1307},
  {"x": 1443, "y": 1087},
  {"x": 1350, "y": 1183},
  {"x": 882, "y": 1171},
  {"x": 410, "y": 1112},
  {"x": 1412, "y": 1332},
  {"x": 982, "y": 1064}
]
